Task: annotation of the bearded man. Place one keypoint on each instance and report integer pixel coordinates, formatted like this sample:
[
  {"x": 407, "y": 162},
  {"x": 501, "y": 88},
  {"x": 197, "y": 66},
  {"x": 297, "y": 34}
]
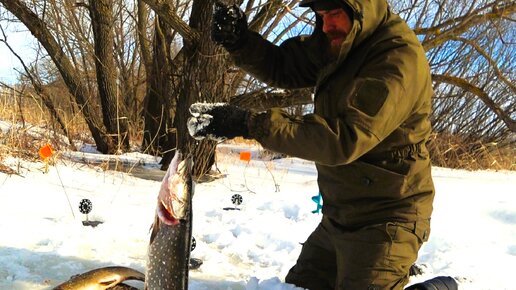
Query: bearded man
[{"x": 367, "y": 135}]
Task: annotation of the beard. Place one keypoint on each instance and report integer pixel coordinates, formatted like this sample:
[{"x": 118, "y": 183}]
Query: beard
[
  {"x": 334, "y": 51},
  {"x": 335, "y": 39}
]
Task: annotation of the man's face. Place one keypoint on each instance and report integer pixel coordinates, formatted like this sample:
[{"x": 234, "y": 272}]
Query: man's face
[{"x": 336, "y": 25}]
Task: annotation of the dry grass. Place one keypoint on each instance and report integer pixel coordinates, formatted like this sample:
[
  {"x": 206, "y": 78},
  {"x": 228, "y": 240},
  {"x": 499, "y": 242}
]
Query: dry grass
[
  {"x": 27, "y": 126},
  {"x": 451, "y": 152}
]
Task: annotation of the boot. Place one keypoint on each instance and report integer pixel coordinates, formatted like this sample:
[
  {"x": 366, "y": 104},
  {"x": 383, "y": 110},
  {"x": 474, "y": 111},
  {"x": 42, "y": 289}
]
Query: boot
[{"x": 437, "y": 283}]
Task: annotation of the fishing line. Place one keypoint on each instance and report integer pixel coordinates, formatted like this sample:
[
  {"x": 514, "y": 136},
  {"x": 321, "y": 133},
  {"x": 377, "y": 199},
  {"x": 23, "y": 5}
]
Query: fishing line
[
  {"x": 231, "y": 187},
  {"x": 5, "y": 180},
  {"x": 64, "y": 190},
  {"x": 118, "y": 190},
  {"x": 245, "y": 179},
  {"x": 276, "y": 185},
  {"x": 247, "y": 189}
]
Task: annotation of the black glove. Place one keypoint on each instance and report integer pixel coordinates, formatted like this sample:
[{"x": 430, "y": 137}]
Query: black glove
[
  {"x": 217, "y": 121},
  {"x": 229, "y": 27}
]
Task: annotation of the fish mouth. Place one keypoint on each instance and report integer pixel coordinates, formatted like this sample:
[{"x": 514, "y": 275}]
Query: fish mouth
[{"x": 166, "y": 216}]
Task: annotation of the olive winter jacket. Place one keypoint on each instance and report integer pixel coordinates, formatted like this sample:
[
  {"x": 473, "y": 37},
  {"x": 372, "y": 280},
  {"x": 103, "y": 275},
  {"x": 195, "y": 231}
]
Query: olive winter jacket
[{"x": 371, "y": 115}]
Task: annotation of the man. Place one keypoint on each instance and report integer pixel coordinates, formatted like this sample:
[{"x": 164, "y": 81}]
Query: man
[{"x": 366, "y": 136}]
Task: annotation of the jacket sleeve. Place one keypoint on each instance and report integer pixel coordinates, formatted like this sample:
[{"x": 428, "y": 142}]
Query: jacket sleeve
[
  {"x": 293, "y": 64},
  {"x": 325, "y": 141},
  {"x": 377, "y": 102}
]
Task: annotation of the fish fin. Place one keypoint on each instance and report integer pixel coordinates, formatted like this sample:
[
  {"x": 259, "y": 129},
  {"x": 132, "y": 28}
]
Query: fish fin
[{"x": 154, "y": 229}]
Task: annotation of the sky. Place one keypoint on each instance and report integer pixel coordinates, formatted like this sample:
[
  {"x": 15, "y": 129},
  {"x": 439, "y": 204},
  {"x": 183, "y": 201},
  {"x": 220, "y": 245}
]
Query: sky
[
  {"x": 43, "y": 242},
  {"x": 21, "y": 41}
]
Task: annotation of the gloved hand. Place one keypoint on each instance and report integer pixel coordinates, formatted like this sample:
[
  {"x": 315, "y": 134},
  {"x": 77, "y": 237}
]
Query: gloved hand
[
  {"x": 229, "y": 27},
  {"x": 217, "y": 121}
]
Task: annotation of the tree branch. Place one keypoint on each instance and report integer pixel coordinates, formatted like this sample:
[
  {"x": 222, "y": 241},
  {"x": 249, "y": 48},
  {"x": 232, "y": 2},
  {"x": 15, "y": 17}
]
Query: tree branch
[
  {"x": 461, "y": 24},
  {"x": 484, "y": 97},
  {"x": 491, "y": 61},
  {"x": 168, "y": 14},
  {"x": 262, "y": 100},
  {"x": 268, "y": 11}
]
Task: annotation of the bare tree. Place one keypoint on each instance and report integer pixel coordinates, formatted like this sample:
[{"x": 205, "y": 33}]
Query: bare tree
[
  {"x": 471, "y": 48},
  {"x": 63, "y": 52}
]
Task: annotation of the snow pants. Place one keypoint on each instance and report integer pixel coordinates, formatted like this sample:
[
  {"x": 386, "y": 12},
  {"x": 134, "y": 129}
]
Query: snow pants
[{"x": 374, "y": 257}]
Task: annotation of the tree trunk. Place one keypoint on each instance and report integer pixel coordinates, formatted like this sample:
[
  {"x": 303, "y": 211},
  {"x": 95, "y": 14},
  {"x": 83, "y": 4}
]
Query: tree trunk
[
  {"x": 113, "y": 108},
  {"x": 204, "y": 72},
  {"x": 159, "y": 137}
]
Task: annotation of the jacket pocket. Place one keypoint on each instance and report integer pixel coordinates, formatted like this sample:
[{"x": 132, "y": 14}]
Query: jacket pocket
[
  {"x": 360, "y": 181},
  {"x": 360, "y": 251},
  {"x": 378, "y": 181}
]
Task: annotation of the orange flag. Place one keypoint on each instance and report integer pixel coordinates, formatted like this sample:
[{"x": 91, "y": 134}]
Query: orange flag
[
  {"x": 46, "y": 151},
  {"x": 245, "y": 156}
]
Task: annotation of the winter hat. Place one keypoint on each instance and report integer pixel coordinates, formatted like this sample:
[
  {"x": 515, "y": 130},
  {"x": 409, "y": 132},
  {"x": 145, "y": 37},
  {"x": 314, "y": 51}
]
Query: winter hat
[
  {"x": 317, "y": 5},
  {"x": 321, "y": 4}
]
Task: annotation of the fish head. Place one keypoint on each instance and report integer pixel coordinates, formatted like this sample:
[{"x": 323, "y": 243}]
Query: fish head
[{"x": 176, "y": 191}]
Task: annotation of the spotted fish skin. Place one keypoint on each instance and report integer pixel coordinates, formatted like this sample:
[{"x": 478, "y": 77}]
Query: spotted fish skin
[{"x": 170, "y": 242}]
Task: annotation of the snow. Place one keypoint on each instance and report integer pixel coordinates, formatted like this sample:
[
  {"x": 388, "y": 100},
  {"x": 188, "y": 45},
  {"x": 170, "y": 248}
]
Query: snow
[{"x": 42, "y": 244}]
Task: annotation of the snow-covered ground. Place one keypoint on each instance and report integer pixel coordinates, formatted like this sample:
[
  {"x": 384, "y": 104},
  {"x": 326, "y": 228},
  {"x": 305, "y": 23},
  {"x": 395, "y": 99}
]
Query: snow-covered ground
[{"x": 42, "y": 244}]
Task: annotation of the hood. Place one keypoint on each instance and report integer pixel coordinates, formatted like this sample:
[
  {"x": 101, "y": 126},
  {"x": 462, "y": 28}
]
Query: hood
[{"x": 367, "y": 16}]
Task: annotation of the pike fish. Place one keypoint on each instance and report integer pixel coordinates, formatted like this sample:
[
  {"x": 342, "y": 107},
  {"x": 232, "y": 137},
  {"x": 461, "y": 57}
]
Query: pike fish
[
  {"x": 168, "y": 257},
  {"x": 101, "y": 279},
  {"x": 171, "y": 235}
]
